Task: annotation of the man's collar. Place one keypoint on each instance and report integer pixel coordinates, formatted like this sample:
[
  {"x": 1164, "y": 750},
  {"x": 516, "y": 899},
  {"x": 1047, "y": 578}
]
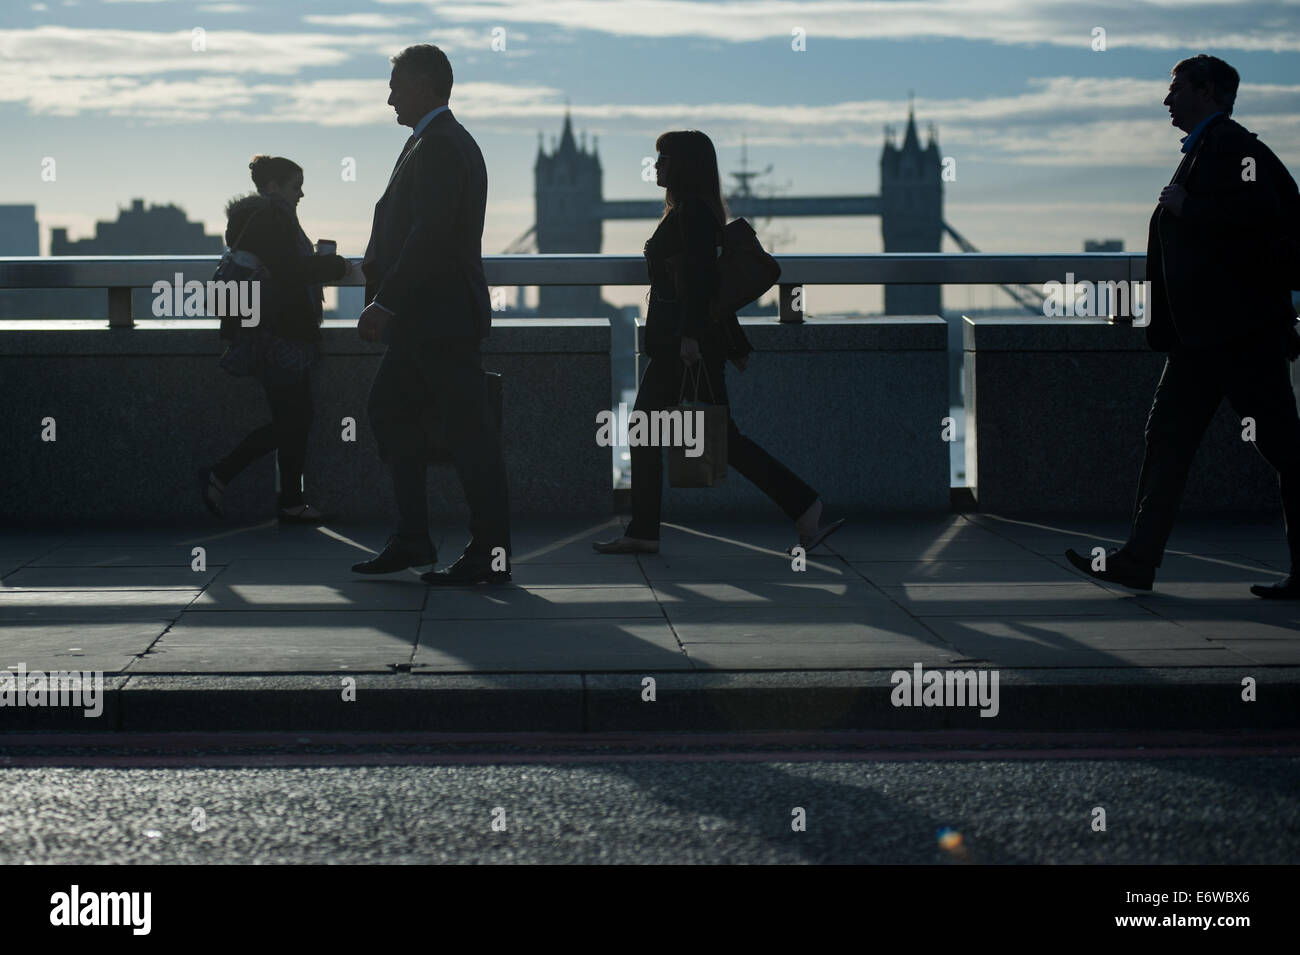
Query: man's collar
[
  {"x": 428, "y": 118},
  {"x": 1189, "y": 141}
]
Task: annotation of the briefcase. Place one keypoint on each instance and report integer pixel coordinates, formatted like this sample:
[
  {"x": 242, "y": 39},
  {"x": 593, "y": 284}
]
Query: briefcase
[
  {"x": 709, "y": 468},
  {"x": 435, "y": 427}
]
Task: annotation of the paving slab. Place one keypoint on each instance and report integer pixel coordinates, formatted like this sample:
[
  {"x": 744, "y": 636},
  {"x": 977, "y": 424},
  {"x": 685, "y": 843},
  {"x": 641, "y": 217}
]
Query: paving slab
[
  {"x": 308, "y": 585},
  {"x": 616, "y": 570},
  {"x": 1072, "y": 526},
  {"x": 81, "y": 645},
  {"x": 108, "y": 578},
  {"x": 878, "y": 625},
  {"x": 51, "y": 605},
  {"x": 569, "y": 645},
  {"x": 1001, "y": 600},
  {"x": 22, "y": 546},
  {"x": 234, "y": 642},
  {"x": 126, "y": 555},
  {"x": 1056, "y": 545},
  {"x": 541, "y": 603},
  {"x": 773, "y": 567},
  {"x": 722, "y": 540},
  {"x": 906, "y": 572},
  {"x": 1226, "y": 602},
  {"x": 1268, "y": 638},
  {"x": 973, "y": 544},
  {"x": 772, "y": 594},
  {"x": 1077, "y": 641}
]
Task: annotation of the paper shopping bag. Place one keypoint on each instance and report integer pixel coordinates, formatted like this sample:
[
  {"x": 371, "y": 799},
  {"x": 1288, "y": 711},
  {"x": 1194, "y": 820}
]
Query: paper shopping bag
[{"x": 701, "y": 461}]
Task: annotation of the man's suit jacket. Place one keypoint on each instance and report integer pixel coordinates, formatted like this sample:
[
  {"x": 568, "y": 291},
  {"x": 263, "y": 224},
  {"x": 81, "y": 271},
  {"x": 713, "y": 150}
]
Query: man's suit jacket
[
  {"x": 1212, "y": 277},
  {"x": 425, "y": 257}
]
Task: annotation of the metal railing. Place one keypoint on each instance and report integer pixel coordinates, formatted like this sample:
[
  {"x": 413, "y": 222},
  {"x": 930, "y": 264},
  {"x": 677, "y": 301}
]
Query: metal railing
[{"x": 120, "y": 274}]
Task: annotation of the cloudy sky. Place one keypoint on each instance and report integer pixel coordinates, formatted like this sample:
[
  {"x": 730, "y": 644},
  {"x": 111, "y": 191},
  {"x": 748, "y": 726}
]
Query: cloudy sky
[{"x": 1054, "y": 141}]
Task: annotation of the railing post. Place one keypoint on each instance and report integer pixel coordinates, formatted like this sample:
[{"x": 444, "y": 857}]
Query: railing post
[
  {"x": 119, "y": 308},
  {"x": 792, "y": 304}
]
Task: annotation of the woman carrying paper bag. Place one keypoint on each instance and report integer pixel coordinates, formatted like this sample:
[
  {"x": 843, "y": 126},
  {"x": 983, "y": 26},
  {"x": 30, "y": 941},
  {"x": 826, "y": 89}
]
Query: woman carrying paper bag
[{"x": 680, "y": 333}]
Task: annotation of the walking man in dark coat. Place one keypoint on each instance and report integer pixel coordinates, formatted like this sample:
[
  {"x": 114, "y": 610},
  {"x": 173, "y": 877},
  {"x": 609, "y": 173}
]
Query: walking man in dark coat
[
  {"x": 427, "y": 300},
  {"x": 1221, "y": 309}
]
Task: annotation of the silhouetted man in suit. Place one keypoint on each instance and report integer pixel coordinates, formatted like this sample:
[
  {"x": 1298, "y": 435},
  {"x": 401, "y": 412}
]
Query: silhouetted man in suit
[
  {"x": 427, "y": 299},
  {"x": 1221, "y": 308}
]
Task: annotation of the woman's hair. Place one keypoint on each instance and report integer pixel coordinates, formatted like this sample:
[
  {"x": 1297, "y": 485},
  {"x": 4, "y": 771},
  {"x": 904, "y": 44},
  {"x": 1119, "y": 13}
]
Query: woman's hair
[
  {"x": 692, "y": 170},
  {"x": 269, "y": 169}
]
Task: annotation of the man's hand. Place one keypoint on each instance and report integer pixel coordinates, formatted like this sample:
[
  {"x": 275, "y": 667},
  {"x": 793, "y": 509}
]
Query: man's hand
[
  {"x": 690, "y": 351},
  {"x": 1172, "y": 198},
  {"x": 740, "y": 362},
  {"x": 373, "y": 321}
]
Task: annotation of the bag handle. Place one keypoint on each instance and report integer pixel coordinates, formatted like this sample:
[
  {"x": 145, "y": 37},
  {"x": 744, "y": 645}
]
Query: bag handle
[{"x": 700, "y": 370}]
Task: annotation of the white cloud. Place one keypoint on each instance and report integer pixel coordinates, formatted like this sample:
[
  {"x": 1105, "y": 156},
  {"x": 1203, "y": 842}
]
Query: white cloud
[
  {"x": 1077, "y": 121},
  {"x": 58, "y": 51},
  {"x": 1128, "y": 23},
  {"x": 359, "y": 21},
  {"x": 1055, "y": 120}
]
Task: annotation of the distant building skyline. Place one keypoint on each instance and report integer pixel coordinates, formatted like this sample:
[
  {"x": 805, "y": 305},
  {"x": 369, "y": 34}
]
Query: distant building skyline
[{"x": 137, "y": 230}]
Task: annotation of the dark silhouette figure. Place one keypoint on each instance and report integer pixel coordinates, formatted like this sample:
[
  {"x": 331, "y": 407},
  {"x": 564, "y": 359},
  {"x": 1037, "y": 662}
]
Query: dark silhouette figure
[
  {"x": 427, "y": 299},
  {"x": 680, "y": 332},
  {"x": 1221, "y": 309},
  {"x": 265, "y": 223}
]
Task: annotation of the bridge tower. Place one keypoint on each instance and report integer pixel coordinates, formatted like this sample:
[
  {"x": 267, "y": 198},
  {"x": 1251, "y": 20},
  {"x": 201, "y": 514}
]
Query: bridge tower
[
  {"x": 569, "y": 201},
  {"x": 911, "y": 213}
]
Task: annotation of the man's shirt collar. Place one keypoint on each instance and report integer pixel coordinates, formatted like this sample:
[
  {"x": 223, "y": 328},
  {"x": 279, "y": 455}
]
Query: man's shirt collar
[
  {"x": 1189, "y": 140},
  {"x": 428, "y": 117}
]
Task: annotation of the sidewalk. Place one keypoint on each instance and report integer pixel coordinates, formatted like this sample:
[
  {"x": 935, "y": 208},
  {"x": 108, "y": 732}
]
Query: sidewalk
[{"x": 277, "y": 619}]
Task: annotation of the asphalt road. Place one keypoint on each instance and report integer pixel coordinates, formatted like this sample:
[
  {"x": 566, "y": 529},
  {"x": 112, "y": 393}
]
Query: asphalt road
[{"x": 652, "y": 800}]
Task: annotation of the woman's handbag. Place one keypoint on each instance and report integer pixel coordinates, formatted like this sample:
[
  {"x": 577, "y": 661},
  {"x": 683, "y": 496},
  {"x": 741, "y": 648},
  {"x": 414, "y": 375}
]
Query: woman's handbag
[
  {"x": 746, "y": 271},
  {"x": 707, "y": 427}
]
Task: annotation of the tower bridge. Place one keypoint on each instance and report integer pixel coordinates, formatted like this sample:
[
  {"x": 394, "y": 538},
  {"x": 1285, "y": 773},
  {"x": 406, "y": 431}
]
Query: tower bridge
[{"x": 571, "y": 210}]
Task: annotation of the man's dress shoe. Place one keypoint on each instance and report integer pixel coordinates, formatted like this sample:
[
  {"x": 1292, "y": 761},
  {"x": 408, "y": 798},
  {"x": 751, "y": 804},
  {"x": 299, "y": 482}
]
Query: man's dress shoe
[
  {"x": 469, "y": 569},
  {"x": 1288, "y": 589},
  {"x": 1120, "y": 569},
  {"x": 398, "y": 554}
]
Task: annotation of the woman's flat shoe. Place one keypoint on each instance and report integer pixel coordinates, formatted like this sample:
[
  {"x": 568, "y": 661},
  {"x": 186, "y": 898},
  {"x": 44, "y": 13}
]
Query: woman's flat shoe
[
  {"x": 808, "y": 543},
  {"x": 626, "y": 545},
  {"x": 302, "y": 514}
]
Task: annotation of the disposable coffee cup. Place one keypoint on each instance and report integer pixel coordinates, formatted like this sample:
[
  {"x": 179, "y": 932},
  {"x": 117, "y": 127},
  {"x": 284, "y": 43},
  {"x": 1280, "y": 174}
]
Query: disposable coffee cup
[{"x": 326, "y": 247}]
